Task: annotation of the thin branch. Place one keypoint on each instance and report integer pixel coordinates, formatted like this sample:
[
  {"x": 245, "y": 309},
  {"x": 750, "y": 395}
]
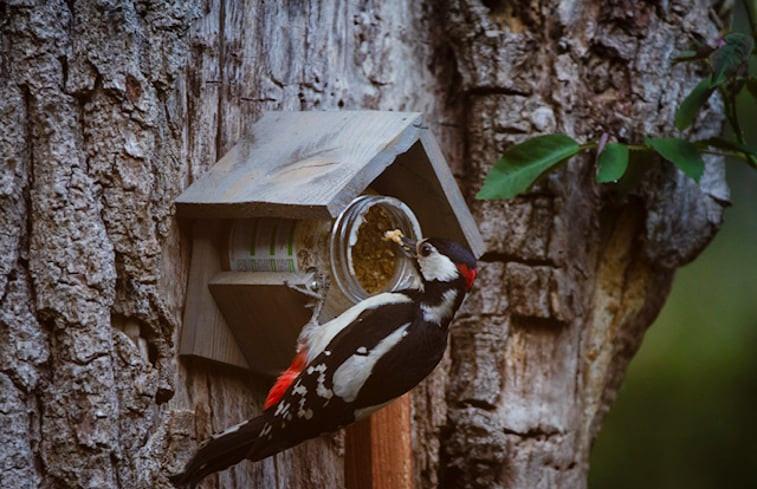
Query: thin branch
[
  {"x": 727, "y": 154},
  {"x": 702, "y": 147},
  {"x": 733, "y": 118},
  {"x": 751, "y": 13}
]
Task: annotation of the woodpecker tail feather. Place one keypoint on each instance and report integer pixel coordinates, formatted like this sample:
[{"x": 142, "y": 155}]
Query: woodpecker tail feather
[{"x": 219, "y": 452}]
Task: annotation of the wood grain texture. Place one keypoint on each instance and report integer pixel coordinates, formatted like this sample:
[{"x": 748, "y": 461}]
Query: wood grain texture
[
  {"x": 301, "y": 165},
  {"x": 264, "y": 315},
  {"x": 391, "y": 446},
  {"x": 111, "y": 108},
  {"x": 206, "y": 333},
  {"x": 379, "y": 449},
  {"x": 421, "y": 179},
  {"x": 570, "y": 280}
]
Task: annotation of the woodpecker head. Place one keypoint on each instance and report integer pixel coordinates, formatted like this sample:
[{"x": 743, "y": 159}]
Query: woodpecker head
[{"x": 440, "y": 260}]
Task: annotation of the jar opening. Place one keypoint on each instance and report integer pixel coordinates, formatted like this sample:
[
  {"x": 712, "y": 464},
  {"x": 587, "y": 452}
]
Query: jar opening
[{"x": 362, "y": 262}]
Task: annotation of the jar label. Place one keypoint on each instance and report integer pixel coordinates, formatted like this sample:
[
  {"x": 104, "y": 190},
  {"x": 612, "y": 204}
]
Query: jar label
[{"x": 263, "y": 245}]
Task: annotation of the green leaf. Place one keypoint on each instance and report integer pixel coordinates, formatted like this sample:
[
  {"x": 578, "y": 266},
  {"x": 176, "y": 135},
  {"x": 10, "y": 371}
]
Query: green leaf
[
  {"x": 681, "y": 153},
  {"x": 730, "y": 59},
  {"x": 751, "y": 85},
  {"x": 725, "y": 144},
  {"x": 612, "y": 162},
  {"x": 522, "y": 164},
  {"x": 690, "y": 106}
]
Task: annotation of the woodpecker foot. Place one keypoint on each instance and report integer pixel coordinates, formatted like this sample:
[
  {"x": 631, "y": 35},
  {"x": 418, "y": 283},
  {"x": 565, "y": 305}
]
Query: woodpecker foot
[
  {"x": 316, "y": 287},
  {"x": 306, "y": 290}
]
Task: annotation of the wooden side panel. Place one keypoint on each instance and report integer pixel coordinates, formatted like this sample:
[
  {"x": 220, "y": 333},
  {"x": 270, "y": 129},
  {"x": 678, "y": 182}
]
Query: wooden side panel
[
  {"x": 264, "y": 315},
  {"x": 205, "y": 332},
  {"x": 379, "y": 450},
  {"x": 454, "y": 198},
  {"x": 422, "y": 179}
]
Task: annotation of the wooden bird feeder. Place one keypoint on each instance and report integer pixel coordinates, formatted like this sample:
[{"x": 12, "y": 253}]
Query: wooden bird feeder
[{"x": 278, "y": 192}]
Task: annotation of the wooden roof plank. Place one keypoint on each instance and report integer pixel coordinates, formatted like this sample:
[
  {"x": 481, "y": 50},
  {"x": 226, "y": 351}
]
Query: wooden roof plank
[{"x": 301, "y": 164}]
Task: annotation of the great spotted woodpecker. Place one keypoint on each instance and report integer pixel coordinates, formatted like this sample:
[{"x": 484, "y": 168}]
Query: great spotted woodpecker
[{"x": 352, "y": 365}]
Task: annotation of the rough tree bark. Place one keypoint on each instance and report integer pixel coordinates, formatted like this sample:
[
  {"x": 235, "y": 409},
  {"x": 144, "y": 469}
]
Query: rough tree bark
[{"x": 110, "y": 108}]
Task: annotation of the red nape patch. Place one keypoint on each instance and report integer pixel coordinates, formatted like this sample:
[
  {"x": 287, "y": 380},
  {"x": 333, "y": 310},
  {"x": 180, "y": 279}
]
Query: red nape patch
[
  {"x": 286, "y": 379},
  {"x": 469, "y": 274}
]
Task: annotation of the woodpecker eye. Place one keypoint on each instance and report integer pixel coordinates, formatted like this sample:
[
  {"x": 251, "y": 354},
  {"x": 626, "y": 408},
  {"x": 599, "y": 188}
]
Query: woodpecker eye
[{"x": 426, "y": 249}]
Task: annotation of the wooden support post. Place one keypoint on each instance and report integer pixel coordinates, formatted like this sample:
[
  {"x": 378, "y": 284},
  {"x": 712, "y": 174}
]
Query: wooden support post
[{"x": 379, "y": 450}]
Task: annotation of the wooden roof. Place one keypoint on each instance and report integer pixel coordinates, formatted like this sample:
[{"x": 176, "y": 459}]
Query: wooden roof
[{"x": 310, "y": 165}]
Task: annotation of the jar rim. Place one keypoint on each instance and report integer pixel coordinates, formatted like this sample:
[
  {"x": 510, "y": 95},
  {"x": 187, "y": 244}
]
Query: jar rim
[{"x": 344, "y": 237}]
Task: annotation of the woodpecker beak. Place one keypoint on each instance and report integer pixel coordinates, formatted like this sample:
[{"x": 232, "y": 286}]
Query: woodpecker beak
[
  {"x": 408, "y": 246},
  {"x": 405, "y": 244}
]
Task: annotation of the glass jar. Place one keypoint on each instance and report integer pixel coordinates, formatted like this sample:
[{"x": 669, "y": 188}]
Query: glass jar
[
  {"x": 278, "y": 245},
  {"x": 351, "y": 249},
  {"x": 363, "y": 263}
]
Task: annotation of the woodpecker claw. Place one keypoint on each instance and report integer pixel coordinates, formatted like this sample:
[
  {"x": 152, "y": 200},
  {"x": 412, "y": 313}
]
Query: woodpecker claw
[
  {"x": 305, "y": 290},
  {"x": 316, "y": 287}
]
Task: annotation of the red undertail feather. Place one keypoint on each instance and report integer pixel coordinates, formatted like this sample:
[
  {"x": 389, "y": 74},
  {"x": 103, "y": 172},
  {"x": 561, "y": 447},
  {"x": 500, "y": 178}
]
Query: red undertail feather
[
  {"x": 469, "y": 274},
  {"x": 286, "y": 379}
]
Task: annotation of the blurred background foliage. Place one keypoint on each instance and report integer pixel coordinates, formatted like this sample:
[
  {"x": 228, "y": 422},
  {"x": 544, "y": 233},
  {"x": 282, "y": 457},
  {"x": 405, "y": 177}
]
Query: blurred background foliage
[{"x": 686, "y": 415}]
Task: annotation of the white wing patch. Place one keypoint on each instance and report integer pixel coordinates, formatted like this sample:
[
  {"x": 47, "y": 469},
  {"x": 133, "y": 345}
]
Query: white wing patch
[
  {"x": 282, "y": 410},
  {"x": 302, "y": 412},
  {"x": 351, "y": 375},
  {"x": 266, "y": 431},
  {"x": 300, "y": 389},
  {"x": 321, "y": 388},
  {"x": 318, "y": 337},
  {"x": 437, "y": 314}
]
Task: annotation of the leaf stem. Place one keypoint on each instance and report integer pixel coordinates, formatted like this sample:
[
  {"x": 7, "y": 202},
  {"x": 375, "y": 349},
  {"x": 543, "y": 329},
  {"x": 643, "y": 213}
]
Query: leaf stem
[
  {"x": 702, "y": 147},
  {"x": 727, "y": 154},
  {"x": 751, "y": 13},
  {"x": 632, "y": 147},
  {"x": 733, "y": 118}
]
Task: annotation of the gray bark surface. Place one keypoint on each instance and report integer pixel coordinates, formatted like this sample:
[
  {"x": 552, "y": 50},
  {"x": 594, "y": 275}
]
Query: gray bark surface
[{"x": 109, "y": 109}]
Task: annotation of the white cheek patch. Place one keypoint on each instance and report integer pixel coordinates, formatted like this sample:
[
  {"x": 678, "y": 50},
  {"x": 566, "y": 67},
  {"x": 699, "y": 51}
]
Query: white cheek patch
[
  {"x": 437, "y": 314},
  {"x": 437, "y": 267},
  {"x": 319, "y": 337},
  {"x": 351, "y": 375}
]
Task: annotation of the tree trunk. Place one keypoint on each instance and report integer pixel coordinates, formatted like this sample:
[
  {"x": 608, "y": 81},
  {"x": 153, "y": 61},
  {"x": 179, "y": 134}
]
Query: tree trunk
[{"x": 111, "y": 108}]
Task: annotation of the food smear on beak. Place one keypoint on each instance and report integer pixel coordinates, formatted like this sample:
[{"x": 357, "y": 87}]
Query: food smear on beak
[{"x": 394, "y": 235}]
